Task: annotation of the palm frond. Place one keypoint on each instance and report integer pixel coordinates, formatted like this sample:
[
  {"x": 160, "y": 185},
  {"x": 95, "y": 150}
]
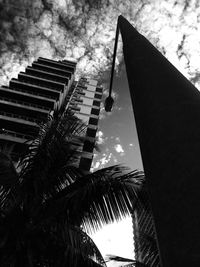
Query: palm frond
[
  {"x": 147, "y": 246},
  {"x": 97, "y": 198},
  {"x": 9, "y": 180},
  {"x": 68, "y": 245},
  {"x": 49, "y": 244},
  {"x": 78, "y": 241},
  {"x": 48, "y": 165},
  {"x": 8, "y": 174},
  {"x": 121, "y": 259},
  {"x": 110, "y": 257}
]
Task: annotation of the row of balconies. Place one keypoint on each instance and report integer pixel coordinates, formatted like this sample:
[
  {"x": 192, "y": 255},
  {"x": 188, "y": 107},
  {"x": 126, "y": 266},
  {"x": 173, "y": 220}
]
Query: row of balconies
[
  {"x": 63, "y": 65},
  {"x": 55, "y": 70},
  {"x": 29, "y": 99},
  {"x": 47, "y": 75},
  {"x": 13, "y": 135},
  {"x": 26, "y": 100},
  {"x": 43, "y": 82},
  {"x": 23, "y": 127},
  {"x": 34, "y": 89},
  {"x": 87, "y": 106}
]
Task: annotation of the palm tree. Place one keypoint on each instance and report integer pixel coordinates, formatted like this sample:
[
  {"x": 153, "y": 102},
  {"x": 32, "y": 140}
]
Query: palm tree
[
  {"x": 146, "y": 247},
  {"x": 48, "y": 205}
]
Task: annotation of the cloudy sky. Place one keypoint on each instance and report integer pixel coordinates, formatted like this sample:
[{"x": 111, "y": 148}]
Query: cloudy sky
[{"x": 85, "y": 30}]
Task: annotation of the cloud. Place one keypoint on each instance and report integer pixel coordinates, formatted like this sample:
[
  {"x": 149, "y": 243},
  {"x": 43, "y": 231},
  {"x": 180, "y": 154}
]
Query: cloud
[
  {"x": 115, "y": 95},
  {"x": 102, "y": 162},
  {"x": 85, "y": 30},
  {"x": 117, "y": 108},
  {"x": 117, "y": 139},
  {"x": 100, "y": 137},
  {"x": 59, "y": 29},
  {"x": 119, "y": 149},
  {"x": 95, "y": 166}
]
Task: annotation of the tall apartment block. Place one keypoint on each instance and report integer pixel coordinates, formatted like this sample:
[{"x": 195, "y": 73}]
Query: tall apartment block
[{"x": 29, "y": 99}]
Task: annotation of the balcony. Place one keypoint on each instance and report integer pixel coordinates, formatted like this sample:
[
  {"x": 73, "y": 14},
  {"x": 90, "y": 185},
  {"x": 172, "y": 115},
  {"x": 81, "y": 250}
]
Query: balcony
[
  {"x": 19, "y": 124},
  {"x": 56, "y": 64},
  {"x": 40, "y": 82},
  {"x": 34, "y": 89},
  {"x": 26, "y": 112},
  {"x": 19, "y": 118},
  {"x": 52, "y": 70},
  {"x": 69, "y": 63},
  {"x": 13, "y": 136},
  {"x": 47, "y": 75},
  {"x": 26, "y": 101}
]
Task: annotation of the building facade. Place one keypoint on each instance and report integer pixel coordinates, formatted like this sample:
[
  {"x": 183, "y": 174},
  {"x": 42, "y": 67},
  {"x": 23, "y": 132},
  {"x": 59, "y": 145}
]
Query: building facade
[{"x": 44, "y": 85}]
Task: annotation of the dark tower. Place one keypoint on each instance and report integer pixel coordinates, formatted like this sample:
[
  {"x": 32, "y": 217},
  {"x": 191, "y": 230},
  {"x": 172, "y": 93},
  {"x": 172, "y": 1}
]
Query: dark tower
[{"x": 167, "y": 112}]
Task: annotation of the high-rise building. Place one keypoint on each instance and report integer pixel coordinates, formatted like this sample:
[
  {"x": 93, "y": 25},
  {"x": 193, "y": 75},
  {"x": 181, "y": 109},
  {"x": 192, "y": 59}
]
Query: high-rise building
[{"x": 28, "y": 100}]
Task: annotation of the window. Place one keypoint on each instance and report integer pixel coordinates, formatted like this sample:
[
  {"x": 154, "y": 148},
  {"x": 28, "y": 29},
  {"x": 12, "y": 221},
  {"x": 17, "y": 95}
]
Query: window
[
  {"x": 85, "y": 164},
  {"x": 93, "y": 121},
  {"x": 91, "y": 132},
  {"x": 88, "y": 146},
  {"x": 99, "y": 89},
  {"x": 95, "y": 111},
  {"x": 96, "y": 103},
  {"x": 98, "y": 96}
]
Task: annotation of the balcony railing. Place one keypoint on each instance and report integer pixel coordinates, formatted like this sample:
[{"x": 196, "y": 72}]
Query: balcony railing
[
  {"x": 41, "y": 82},
  {"x": 17, "y": 116},
  {"x": 16, "y": 134},
  {"x": 24, "y": 103},
  {"x": 32, "y": 93}
]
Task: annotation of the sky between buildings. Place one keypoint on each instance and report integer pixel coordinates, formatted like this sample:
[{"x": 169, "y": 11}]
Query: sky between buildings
[{"x": 85, "y": 30}]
